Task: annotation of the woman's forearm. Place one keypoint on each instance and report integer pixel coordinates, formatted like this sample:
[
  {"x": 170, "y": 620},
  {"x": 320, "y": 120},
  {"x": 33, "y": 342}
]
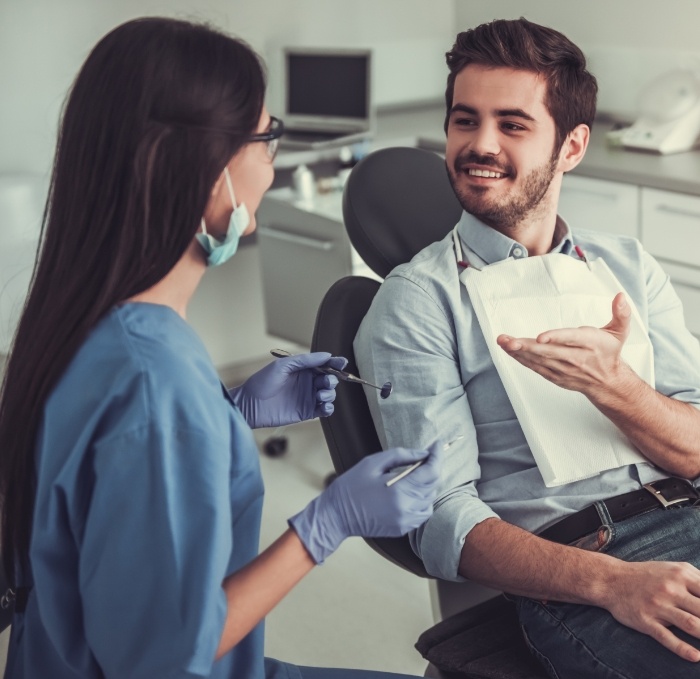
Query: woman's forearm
[{"x": 257, "y": 588}]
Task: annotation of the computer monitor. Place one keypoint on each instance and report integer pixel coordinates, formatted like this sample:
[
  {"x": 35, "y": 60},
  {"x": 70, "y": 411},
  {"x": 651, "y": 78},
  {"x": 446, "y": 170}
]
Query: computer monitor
[{"x": 327, "y": 91}]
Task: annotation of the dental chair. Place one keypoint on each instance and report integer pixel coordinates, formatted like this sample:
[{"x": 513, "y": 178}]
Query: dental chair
[{"x": 396, "y": 202}]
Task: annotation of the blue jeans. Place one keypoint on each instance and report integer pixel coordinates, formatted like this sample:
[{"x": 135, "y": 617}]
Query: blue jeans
[{"x": 585, "y": 642}]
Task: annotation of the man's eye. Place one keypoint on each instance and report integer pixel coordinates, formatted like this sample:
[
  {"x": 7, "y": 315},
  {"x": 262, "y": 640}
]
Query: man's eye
[
  {"x": 513, "y": 127},
  {"x": 464, "y": 122}
]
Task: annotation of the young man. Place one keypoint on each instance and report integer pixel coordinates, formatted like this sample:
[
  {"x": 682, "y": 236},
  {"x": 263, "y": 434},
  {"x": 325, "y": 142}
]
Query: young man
[{"x": 605, "y": 577}]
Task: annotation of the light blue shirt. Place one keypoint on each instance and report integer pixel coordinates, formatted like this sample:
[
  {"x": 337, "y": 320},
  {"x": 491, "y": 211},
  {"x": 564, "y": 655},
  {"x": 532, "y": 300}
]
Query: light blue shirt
[
  {"x": 149, "y": 494},
  {"x": 422, "y": 334}
]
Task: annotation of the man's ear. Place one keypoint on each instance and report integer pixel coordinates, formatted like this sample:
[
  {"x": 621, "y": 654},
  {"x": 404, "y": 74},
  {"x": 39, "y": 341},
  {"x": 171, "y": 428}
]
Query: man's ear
[{"x": 574, "y": 148}]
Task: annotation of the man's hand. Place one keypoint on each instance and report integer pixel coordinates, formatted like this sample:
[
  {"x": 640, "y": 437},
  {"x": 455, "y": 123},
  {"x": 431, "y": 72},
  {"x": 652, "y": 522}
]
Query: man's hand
[
  {"x": 584, "y": 359},
  {"x": 651, "y": 596}
]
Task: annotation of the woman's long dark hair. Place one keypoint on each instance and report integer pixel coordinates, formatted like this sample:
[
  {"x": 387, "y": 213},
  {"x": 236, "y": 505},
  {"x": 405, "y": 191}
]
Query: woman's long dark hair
[{"x": 156, "y": 112}]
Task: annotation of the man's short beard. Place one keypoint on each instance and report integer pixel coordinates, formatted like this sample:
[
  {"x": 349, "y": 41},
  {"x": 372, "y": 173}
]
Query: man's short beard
[{"x": 510, "y": 213}]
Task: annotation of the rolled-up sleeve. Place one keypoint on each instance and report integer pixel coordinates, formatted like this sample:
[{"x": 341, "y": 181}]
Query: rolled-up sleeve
[{"x": 408, "y": 338}]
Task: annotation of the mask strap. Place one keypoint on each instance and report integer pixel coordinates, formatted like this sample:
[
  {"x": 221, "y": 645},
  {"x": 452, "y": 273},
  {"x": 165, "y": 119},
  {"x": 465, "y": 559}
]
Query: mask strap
[
  {"x": 230, "y": 188},
  {"x": 233, "y": 198}
]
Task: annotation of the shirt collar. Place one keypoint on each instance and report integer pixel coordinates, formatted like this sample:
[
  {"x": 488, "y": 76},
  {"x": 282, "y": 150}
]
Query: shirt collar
[{"x": 492, "y": 246}]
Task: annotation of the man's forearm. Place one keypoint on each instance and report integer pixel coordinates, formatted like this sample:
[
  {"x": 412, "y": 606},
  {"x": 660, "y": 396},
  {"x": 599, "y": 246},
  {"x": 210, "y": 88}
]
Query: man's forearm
[
  {"x": 505, "y": 557},
  {"x": 665, "y": 430}
]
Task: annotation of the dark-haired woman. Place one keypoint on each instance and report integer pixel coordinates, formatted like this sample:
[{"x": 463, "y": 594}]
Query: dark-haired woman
[{"x": 131, "y": 490}]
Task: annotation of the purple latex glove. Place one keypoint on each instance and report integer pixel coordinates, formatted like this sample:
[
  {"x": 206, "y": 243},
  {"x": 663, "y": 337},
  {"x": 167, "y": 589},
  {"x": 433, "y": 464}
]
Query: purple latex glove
[
  {"x": 289, "y": 390},
  {"x": 359, "y": 502}
]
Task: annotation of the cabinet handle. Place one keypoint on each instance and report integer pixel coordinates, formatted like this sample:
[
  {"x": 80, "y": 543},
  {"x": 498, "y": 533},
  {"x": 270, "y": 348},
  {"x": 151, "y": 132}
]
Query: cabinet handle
[
  {"x": 304, "y": 241},
  {"x": 669, "y": 209}
]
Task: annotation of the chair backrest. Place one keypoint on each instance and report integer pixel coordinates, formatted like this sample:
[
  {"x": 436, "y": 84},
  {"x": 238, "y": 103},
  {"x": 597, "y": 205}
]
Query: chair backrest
[
  {"x": 396, "y": 202},
  {"x": 350, "y": 432}
]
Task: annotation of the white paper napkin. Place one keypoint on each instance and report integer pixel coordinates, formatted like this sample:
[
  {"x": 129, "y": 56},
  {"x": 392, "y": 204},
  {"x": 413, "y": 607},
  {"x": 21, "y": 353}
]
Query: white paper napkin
[{"x": 570, "y": 438}]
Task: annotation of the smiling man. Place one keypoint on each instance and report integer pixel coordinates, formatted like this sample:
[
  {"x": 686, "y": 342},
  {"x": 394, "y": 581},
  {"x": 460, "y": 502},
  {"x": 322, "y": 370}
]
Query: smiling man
[{"x": 595, "y": 536}]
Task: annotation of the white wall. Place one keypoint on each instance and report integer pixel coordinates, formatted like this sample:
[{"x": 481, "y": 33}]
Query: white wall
[
  {"x": 628, "y": 42},
  {"x": 44, "y": 42}
]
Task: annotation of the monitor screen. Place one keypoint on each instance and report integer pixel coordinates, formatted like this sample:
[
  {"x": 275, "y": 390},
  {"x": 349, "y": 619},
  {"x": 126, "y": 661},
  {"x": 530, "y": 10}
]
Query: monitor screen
[{"x": 328, "y": 86}]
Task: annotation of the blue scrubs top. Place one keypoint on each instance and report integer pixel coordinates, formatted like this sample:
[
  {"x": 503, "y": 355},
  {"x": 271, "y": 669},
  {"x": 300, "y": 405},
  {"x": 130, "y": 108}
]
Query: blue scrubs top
[{"x": 148, "y": 495}]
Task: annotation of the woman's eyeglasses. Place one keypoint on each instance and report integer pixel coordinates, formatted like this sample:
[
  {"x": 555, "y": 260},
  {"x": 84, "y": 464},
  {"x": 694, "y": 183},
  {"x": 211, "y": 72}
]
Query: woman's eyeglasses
[{"x": 272, "y": 136}]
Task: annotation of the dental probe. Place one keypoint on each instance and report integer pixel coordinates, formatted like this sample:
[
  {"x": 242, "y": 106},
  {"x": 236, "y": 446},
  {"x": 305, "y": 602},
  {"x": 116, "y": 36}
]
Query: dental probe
[
  {"x": 415, "y": 465},
  {"x": 384, "y": 390}
]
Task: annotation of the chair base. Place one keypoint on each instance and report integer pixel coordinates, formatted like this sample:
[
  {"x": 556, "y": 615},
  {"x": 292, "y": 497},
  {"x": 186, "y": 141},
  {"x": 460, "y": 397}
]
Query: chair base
[{"x": 483, "y": 642}]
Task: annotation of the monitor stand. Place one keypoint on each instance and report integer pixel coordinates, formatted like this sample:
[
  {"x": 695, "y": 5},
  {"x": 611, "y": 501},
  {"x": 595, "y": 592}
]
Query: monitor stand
[{"x": 311, "y": 139}]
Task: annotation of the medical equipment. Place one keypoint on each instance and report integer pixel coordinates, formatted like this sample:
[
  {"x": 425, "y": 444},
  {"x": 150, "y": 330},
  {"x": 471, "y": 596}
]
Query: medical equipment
[
  {"x": 670, "y": 115},
  {"x": 384, "y": 390},
  {"x": 415, "y": 465}
]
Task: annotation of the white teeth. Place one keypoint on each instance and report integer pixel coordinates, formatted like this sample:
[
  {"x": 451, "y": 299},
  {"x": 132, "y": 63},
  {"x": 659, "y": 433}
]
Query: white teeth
[{"x": 485, "y": 173}]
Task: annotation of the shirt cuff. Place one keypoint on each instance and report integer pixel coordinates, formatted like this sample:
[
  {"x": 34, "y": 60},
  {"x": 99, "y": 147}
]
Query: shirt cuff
[{"x": 439, "y": 542}]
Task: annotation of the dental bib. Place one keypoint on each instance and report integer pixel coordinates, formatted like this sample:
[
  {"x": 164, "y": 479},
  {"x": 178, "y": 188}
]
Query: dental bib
[{"x": 569, "y": 437}]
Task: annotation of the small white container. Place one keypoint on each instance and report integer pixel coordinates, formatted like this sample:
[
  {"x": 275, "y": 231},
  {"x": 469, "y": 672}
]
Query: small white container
[{"x": 304, "y": 184}]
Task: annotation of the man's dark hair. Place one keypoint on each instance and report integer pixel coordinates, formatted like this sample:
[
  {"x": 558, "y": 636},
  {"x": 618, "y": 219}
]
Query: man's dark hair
[{"x": 520, "y": 44}]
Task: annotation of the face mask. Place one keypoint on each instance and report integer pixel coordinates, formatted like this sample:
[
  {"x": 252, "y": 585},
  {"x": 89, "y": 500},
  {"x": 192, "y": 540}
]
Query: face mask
[{"x": 217, "y": 251}]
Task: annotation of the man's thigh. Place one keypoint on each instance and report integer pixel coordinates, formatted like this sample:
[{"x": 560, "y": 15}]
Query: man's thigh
[
  {"x": 574, "y": 641},
  {"x": 585, "y": 642}
]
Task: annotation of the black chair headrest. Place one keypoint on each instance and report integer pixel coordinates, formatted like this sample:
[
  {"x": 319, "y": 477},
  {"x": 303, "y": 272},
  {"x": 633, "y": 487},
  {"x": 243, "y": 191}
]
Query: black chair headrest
[{"x": 398, "y": 201}]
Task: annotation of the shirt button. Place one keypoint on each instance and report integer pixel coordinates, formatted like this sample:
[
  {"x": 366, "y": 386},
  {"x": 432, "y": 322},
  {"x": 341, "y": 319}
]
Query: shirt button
[{"x": 518, "y": 252}]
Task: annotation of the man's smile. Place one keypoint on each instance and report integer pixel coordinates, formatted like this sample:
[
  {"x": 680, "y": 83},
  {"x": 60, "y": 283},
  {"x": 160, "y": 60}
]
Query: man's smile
[
  {"x": 473, "y": 172},
  {"x": 482, "y": 175}
]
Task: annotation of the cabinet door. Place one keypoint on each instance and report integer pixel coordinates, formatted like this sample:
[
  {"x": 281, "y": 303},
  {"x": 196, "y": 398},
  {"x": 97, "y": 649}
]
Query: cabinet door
[
  {"x": 301, "y": 255},
  {"x": 686, "y": 283},
  {"x": 671, "y": 226},
  {"x": 690, "y": 296},
  {"x": 671, "y": 232},
  {"x": 587, "y": 203}
]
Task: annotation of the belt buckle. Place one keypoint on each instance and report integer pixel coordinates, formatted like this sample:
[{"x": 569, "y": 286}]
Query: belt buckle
[{"x": 661, "y": 499}]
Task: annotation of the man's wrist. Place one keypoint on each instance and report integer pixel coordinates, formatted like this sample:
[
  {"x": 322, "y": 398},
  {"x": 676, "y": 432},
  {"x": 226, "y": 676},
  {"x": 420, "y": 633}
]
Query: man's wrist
[
  {"x": 621, "y": 387},
  {"x": 601, "y": 589}
]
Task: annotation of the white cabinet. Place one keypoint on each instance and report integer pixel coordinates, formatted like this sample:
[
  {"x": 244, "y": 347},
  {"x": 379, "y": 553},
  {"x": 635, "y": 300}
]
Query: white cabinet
[
  {"x": 690, "y": 297},
  {"x": 587, "y": 203},
  {"x": 304, "y": 249},
  {"x": 670, "y": 224}
]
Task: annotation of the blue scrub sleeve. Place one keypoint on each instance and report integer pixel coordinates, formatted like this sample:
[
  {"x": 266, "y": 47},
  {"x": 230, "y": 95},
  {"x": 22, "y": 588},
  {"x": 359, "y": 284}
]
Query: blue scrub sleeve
[{"x": 154, "y": 553}]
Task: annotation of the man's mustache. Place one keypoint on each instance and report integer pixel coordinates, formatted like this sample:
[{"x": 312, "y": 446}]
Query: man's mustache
[{"x": 472, "y": 158}]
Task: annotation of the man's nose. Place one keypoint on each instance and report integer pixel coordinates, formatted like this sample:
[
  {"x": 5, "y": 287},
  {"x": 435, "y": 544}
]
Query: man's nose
[{"x": 485, "y": 140}]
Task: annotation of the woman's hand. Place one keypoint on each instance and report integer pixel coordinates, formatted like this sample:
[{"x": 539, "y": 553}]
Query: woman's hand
[
  {"x": 289, "y": 390},
  {"x": 359, "y": 502}
]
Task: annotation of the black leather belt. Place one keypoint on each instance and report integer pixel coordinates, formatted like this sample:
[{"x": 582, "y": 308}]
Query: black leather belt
[{"x": 661, "y": 494}]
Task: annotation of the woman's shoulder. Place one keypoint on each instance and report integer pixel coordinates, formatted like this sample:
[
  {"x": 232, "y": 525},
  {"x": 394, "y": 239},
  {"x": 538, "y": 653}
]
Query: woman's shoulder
[
  {"x": 141, "y": 364},
  {"x": 147, "y": 340}
]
